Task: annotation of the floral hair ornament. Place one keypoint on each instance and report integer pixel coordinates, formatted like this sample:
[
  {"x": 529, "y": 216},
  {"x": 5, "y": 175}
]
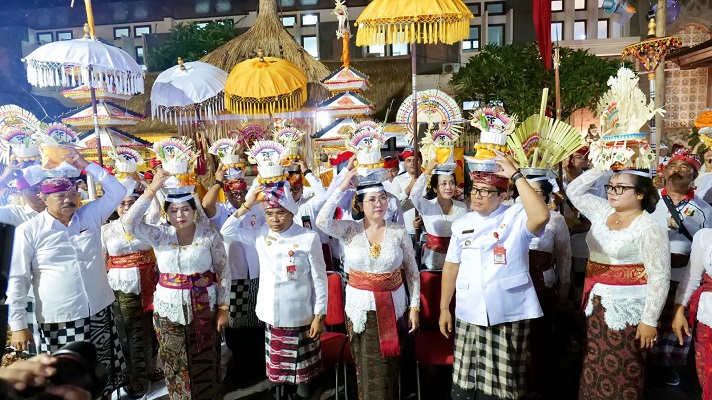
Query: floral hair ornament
[
  {"x": 268, "y": 155},
  {"x": 624, "y": 109},
  {"x": 291, "y": 139},
  {"x": 177, "y": 158},
  {"x": 366, "y": 141},
  {"x": 126, "y": 162}
]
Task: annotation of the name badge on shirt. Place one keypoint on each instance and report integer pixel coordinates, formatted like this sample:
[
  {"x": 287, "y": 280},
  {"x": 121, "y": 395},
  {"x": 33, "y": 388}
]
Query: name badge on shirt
[
  {"x": 500, "y": 255},
  {"x": 468, "y": 231},
  {"x": 292, "y": 272}
]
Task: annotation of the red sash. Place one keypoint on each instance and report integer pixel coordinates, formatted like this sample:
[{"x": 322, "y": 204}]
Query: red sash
[
  {"x": 145, "y": 261},
  {"x": 199, "y": 300},
  {"x": 609, "y": 274},
  {"x": 695, "y": 299},
  {"x": 382, "y": 285},
  {"x": 437, "y": 244}
]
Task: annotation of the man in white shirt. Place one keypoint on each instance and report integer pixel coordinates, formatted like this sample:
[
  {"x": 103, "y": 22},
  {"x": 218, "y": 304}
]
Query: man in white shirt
[
  {"x": 293, "y": 287},
  {"x": 59, "y": 253},
  {"x": 678, "y": 197},
  {"x": 401, "y": 186},
  {"x": 29, "y": 188},
  {"x": 245, "y": 333},
  {"x": 488, "y": 262}
]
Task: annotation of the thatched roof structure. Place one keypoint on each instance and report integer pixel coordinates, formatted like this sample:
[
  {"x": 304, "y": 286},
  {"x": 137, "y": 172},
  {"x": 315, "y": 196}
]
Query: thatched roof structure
[
  {"x": 269, "y": 35},
  {"x": 389, "y": 77}
]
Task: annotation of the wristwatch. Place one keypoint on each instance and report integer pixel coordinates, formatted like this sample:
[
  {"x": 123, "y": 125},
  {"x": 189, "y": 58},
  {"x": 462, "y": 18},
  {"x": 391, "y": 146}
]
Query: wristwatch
[
  {"x": 320, "y": 316},
  {"x": 218, "y": 182}
]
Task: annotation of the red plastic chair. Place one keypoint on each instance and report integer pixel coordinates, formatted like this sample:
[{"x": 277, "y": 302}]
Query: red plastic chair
[
  {"x": 326, "y": 250},
  {"x": 431, "y": 347},
  {"x": 333, "y": 343}
]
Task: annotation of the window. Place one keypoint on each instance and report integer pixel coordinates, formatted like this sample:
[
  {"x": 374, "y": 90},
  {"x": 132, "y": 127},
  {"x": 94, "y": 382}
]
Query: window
[
  {"x": 289, "y": 21},
  {"x": 310, "y": 19},
  {"x": 122, "y": 31},
  {"x": 557, "y": 31},
  {"x": 495, "y": 34},
  {"x": 311, "y": 45},
  {"x": 400, "y": 49},
  {"x": 65, "y": 35},
  {"x": 377, "y": 49},
  {"x": 286, "y": 3},
  {"x": 473, "y": 42},
  {"x": 45, "y": 37},
  {"x": 142, "y": 30},
  {"x": 139, "y": 55},
  {"x": 309, "y": 2},
  {"x": 602, "y": 29},
  {"x": 495, "y": 8},
  {"x": 476, "y": 9},
  {"x": 579, "y": 30},
  {"x": 202, "y": 25},
  {"x": 557, "y": 5},
  {"x": 579, "y": 4}
]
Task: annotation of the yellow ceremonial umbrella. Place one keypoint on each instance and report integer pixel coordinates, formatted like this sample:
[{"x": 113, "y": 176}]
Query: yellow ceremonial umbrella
[
  {"x": 265, "y": 85},
  {"x": 413, "y": 21}
]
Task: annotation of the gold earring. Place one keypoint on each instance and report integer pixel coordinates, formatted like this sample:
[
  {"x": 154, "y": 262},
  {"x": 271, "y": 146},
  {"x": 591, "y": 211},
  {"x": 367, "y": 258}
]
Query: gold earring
[{"x": 640, "y": 197}]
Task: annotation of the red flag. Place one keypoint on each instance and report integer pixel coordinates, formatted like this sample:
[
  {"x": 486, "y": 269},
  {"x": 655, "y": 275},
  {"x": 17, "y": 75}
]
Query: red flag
[{"x": 541, "y": 13}]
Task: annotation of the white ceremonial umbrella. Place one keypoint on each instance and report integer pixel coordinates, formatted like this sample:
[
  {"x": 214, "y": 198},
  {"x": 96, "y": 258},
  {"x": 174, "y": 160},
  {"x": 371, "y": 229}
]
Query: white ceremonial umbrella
[
  {"x": 186, "y": 89},
  {"x": 85, "y": 61}
]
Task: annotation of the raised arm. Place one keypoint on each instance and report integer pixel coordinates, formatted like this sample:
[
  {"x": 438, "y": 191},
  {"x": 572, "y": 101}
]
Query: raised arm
[
  {"x": 325, "y": 220},
  {"x": 211, "y": 197},
  {"x": 100, "y": 209},
  {"x": 534, "y": 205},
  {"x": 314, "y": 182},
  {"x": 418, "y": 191},
  {"x": 133, "y": 220},
  {"x": 654, "y": 248},
  {"x": 579, "y": 192},
  {"x": 231, "y": 230}
]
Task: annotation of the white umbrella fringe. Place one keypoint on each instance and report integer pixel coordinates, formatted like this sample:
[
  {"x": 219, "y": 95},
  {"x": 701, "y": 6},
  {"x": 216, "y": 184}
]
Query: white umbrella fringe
[{"x": 51, "y": 74}]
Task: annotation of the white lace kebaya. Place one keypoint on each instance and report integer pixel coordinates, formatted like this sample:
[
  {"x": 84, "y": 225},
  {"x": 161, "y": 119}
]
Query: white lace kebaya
[
  {"x": 206, "y": 253},
  {"x": 643, "y": 242},
  {"x": 396, "y": 251}
]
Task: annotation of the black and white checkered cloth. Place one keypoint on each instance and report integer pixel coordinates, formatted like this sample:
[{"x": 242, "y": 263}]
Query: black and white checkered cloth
[
  {"x": 100, "y": 330},
  {"x": 243, "y": 300},
  {"x": 490, "y": 359}
]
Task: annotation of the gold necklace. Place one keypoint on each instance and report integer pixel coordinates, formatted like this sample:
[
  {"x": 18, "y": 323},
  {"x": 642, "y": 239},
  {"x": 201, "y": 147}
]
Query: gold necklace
[
  {"x": 375, "y": 250},
  {"x": 619, "y": 218}
]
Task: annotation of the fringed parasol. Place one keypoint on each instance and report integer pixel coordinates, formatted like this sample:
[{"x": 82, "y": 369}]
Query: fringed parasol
[{"x": 265, "y": 85}]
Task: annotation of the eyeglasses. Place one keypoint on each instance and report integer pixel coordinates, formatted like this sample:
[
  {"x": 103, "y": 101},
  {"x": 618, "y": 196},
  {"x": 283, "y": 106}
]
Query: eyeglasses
[
  {"x": 276, "y": 214},
  {"x": 617, "y": 190},
  {"x": 482, "y": 192},
  {"x": 241, "y": 193},
  {"x": 375, "y": 200}
]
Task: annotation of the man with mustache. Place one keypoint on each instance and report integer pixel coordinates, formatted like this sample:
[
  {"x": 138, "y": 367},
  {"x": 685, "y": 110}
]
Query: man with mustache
[
  {"x": 683, "y": 213},
  {"x": 59, "y": 252}
]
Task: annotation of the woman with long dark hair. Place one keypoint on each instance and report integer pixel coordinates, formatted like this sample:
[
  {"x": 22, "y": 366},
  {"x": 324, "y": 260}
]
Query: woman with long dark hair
[
  {"x": 193, "y": 292},
  {"x": 438, "y": 209},
  {"x": 627, "y": 279}
]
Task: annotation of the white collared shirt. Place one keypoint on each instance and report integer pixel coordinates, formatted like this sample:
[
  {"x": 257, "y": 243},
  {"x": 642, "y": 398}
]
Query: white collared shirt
[
  {"x": 283, "y": 302},
  {"x": 64, "y": 264},
  {"x": 398, "y": 186},
  {"x": 488, "y": 293},
  {"x": 15, "y": 215},
  {"x": 243, "y": 260}
]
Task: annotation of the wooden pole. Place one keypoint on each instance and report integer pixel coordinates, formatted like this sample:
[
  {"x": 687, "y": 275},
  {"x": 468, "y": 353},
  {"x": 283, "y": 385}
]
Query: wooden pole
[{"x": 659, "y": 82}]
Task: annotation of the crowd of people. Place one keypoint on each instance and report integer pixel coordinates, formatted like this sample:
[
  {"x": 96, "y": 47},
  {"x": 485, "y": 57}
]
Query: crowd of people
[{"x": 184, "y": 273}]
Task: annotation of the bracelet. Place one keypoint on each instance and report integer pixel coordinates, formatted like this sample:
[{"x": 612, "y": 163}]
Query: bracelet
[
  {"x": 414, "y": 309},
  {"x": 243, "y": 206},
  {"x": 219, "y": 182},
  {"x": 308, "y": 171},
  {"x": 150, "y": 189},
  {"x": 516, "y": 177},
  {"x": 518, "y": 171},
  {"x": 223, "y": 307}
]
